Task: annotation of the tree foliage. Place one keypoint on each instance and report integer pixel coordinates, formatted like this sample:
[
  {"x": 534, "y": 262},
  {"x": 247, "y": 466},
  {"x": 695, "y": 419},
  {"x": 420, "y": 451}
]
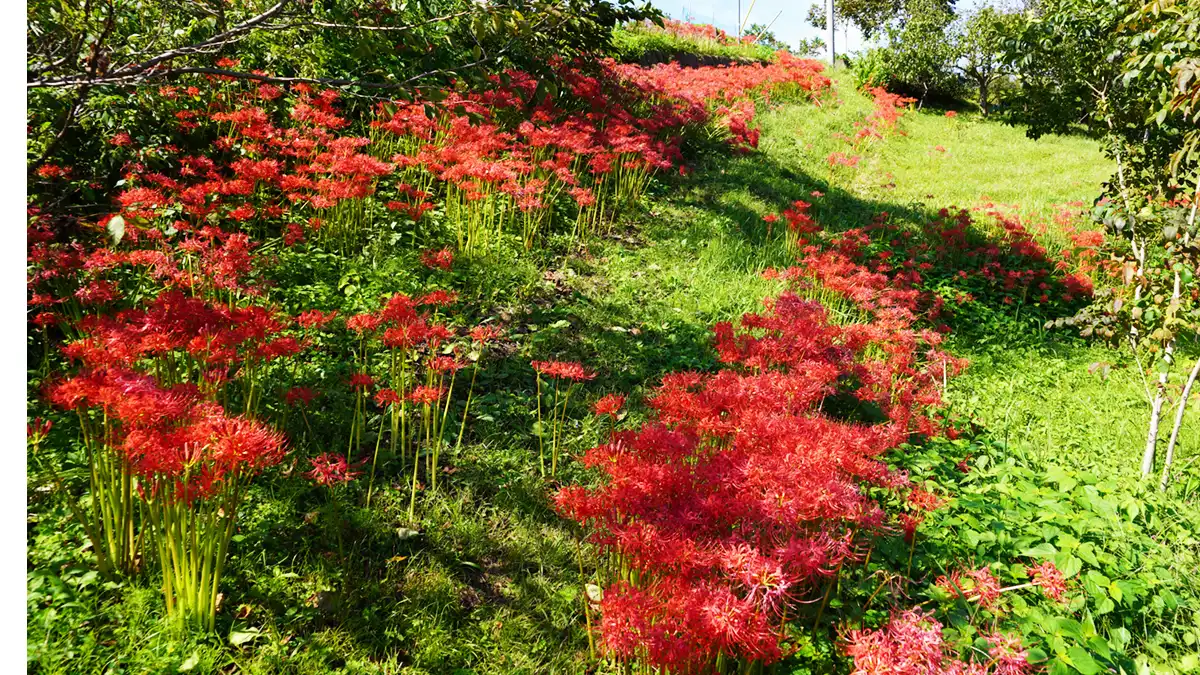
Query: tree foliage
[
  {"x": 919, "y": 52},
  {"x": 1127, "y": 72},
  {"x": 80, "y": 55},
  {"x": 980, "y": 41}
]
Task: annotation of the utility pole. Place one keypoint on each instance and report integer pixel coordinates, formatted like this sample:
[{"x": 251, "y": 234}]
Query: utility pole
[
  {"x": 830, "y": 31},
  {"x": 739, "y": 19}
]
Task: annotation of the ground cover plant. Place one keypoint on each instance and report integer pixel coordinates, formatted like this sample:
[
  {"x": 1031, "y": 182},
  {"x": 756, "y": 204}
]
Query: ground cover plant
[
  {"x": 592, "y": 366},
  {"x": 673, "y": 40}
]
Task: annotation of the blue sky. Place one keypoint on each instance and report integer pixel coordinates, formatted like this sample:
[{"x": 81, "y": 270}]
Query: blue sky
[{"x": 790, "y": 26}]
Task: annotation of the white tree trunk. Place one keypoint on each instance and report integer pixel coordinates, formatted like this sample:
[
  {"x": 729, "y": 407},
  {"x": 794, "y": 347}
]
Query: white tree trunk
[
  {"x": 1179, "y": 410},
  {"x": 1187, "y": 387}
]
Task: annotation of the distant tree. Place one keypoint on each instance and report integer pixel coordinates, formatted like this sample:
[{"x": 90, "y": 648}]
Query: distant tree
[
  {"x": 979, "y": 49},
  {"x": 920, "y": 52},
  {"x": 809, "y": 47},
  {"x": 872, "y": 17},
  {"x": 763, "y": 36}
]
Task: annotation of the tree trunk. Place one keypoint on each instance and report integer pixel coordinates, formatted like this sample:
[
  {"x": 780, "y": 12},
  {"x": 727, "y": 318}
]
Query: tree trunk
[
  {"x": 1183, "y": 399},
  {"x": 983, "y": 98},
  {"x": 1161, "y": 395},
  {"x": 1187, "y": 387},
  {"x": 1152, "y": 433}
]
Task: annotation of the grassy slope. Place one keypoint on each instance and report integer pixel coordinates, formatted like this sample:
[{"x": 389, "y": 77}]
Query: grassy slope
[
  {"x": 1034, "y": 391},
  {"x": 491, "y": 584}
]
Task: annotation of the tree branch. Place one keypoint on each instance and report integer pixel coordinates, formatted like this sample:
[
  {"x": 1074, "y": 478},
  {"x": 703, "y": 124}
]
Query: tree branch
[
  {"x": 351, "y": 26},
  {"x": 133, "y": 70}
]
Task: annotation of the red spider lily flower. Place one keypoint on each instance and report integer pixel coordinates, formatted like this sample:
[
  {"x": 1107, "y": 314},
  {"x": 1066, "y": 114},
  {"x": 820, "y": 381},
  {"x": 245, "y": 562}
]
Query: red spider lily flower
[
  {"x": 1008, "y": 656},
  {"x": 425, "y": 395},
  {"x": 771, "y": 218},
  {"x": 53, "y": 171},
  {"x": 243, "y": 212},
  {"x": 314, "y": 319},
  {"x": 609, "y": 405},
  {"x": 302, "y": 395},
  {"x": 400, "y": 309},
  {"x": 987, "y": 587},
  {"x": 566, "y": 370},
  {"x": 121, "y": 139},
  {"x": 1050, "y": 579},
  {"x": 44, "y": 319},
  {"x": 438, "y": 298},
  {"x": 280, "y": 347},
  {"x": 439, "y": 259},
  {"x": 817, "y": 193},
  {"x": 909, "y": 522},
  {"x": 951, "y": 114},
  {"x": 362, "y": 323},
  {"x": 910, "y": 644},
  {"x": 386, "y": 397},
  {"x": 437, "y": 333},
  {"x": 406, "y": 335},
  {"x": 293, "y": 233},
  {"x": 951, "y": 585},
  {"x": 445, "y": 364},
  {"x": 37, "y": 430},
  {"x": 923, "y": 500},
  {"x": 361, "y": 381},
  {"x": 331, "y": 469},
  {"x": 485, "y": 333}
]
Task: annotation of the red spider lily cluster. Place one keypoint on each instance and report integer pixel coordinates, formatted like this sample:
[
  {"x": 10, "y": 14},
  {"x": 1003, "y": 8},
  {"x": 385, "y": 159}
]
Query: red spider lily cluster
[
  {"x": 883, "y": 119},
  {"x": 733, "y": 89},
  {"x": 417, "y": 358},
  {"x": 749, "y": 488},
  {"x": 184, "y": 458},
  {"x": 982, "y": 586},
  {"x": 165, "y": 299},
  {"x": 175, "y": 441},
  {"x": 288, "y": 162},
  {"x": 912, "y": 644},
  {"x": 996, "y": 256},
  {"x": 565, "y": 375},
  {"x": 701, "y": 33},
  {"x": 697, "y": 31},
  {"x": 912, "y": 641}
]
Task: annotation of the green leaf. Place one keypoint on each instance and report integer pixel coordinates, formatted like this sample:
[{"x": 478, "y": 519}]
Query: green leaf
[
  {"x": 1082, "y": 661},
  {"x": 240, "y": 637},
  {"x": 1070, "y": 627},
  {"x": 1042, "y": 550},
  {"x": 1099, "y": 646},
  {"x": 1069, "y": 565},
  {"x": 191, "y": 662}
]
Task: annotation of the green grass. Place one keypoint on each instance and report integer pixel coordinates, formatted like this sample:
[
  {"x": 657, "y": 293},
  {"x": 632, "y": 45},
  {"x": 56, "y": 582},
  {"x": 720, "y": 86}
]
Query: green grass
[
  {"x": 635, "y": 42},
  {"x": 488, "y": 580}
]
